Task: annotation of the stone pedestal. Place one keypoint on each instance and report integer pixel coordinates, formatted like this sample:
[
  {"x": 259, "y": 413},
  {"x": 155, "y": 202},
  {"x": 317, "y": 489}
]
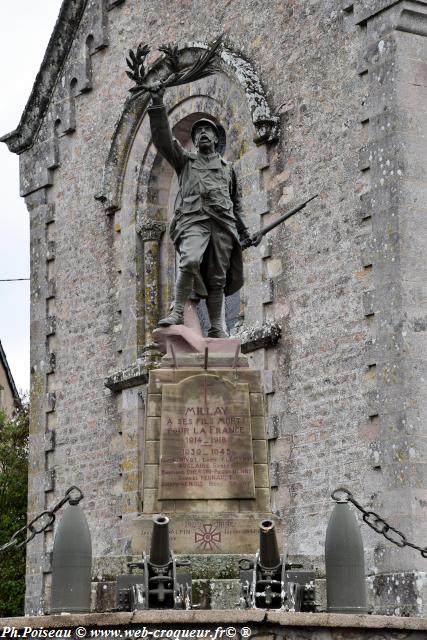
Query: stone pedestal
[{"x": 205, "y": 460}]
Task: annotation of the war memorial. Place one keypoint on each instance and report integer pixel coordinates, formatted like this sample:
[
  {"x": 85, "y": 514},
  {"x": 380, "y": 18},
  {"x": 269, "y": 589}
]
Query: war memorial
[{"x": 227, "y": 204}]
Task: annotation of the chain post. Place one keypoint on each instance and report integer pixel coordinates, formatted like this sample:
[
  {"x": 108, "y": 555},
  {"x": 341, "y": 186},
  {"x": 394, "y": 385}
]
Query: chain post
[
  {"x": 49, "y": 513},
  {"x": 378, "y": 524}
]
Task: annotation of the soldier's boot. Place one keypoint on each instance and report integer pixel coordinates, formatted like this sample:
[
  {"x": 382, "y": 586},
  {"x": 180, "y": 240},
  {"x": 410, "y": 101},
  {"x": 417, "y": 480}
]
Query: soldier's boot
[
  {"x": 214, "y": 304},
  {"x": 183, "y": 287}
]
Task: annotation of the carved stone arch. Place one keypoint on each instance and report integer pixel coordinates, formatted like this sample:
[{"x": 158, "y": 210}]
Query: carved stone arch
[
  {"x": 240, "y": 73},
  {"x": 137, "y": 188},
  {"x": 124, "y": 134}
]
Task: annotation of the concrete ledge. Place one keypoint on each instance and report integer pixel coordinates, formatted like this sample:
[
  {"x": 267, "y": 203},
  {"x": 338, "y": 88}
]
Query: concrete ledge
[
  {"x": 339, "y": 620},
  {"x": 268, "y": 620}
]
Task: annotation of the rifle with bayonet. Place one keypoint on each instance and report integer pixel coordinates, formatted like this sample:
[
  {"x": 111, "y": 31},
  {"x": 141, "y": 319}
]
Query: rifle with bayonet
[{"x": 256, "y": 237}]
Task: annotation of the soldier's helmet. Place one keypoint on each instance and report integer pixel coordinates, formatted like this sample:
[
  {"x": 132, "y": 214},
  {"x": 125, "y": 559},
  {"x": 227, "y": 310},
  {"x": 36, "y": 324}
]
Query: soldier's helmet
[{"x": 219, "y": 130}]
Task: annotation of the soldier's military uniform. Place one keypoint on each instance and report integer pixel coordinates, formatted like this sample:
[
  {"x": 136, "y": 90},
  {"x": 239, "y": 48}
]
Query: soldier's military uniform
[{"x": 207, "y": 225}]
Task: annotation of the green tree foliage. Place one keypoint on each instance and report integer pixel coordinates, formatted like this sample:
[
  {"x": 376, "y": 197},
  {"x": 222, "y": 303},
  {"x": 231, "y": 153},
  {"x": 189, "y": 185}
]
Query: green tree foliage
[{"x": 13, "y": 508}]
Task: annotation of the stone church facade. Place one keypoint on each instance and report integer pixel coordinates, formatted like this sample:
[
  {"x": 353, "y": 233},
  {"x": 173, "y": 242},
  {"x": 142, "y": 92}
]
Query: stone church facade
[{"x": 315, "y": 97}]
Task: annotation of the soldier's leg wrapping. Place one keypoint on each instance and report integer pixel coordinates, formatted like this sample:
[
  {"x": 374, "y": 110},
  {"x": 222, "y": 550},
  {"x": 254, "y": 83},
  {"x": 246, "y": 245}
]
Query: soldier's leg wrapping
[
  {"x": 192, "y": 246},
  {"x": 215, "y": 303},
  {"x": 183, "y": 287},
  {"x": 217, "y": 263}
]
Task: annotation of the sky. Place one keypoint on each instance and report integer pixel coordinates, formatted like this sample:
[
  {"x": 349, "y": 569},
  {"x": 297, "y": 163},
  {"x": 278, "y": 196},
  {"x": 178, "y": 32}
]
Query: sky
[{"x": 25, "y": 29}]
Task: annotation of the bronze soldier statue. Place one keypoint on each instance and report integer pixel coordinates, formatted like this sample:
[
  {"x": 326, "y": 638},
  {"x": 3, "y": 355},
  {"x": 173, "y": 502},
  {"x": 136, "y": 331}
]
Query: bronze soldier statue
[{"x": 207, "y": 228}]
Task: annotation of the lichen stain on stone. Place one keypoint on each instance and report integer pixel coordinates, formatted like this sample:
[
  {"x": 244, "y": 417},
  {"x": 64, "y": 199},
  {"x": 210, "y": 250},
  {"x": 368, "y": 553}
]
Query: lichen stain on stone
[
  {"x": 130, "y": 482},
  {"x": 401, "y": 455},
  {"x": 36, "y": 401}
]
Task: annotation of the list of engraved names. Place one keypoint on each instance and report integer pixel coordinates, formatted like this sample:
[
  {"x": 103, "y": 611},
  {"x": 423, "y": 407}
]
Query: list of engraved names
[{"x": 206, "y": 441}]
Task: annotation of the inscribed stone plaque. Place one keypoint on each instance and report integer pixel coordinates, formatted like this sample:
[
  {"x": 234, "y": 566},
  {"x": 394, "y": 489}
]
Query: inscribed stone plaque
[{"x": 206, "y": 440}]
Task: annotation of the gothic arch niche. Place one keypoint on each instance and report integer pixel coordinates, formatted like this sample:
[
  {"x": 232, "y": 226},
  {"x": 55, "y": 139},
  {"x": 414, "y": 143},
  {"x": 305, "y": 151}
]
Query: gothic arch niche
[{"x": 138, "y": 189}]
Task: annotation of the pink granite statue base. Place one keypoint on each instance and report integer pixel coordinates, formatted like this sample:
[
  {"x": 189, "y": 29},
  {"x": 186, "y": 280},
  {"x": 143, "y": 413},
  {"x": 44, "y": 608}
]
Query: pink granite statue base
[{"x": 183, "y": 340}]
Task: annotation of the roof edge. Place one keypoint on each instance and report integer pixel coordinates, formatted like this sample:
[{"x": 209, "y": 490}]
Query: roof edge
[
  {"x": 60, "y": 42},
  {"x": 9, "y": 376}
]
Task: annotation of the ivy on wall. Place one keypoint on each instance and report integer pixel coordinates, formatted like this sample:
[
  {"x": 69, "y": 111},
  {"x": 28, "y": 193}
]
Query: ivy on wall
[{"x": 13, "y": 508}]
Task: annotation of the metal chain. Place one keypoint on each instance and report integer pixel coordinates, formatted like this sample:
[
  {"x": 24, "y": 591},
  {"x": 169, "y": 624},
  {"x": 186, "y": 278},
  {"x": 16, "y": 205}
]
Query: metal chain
[
  {"x": 377, "y": 523},
  {"x": 43, "y": 521}
]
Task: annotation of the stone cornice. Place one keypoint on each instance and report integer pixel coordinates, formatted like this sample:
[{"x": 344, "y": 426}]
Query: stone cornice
[
  {"x": 366, "y": 9},
  {"x": 262, "y": 337},
  {"x": 57, "y": 50},
  {"x": 134, "y": 375}
]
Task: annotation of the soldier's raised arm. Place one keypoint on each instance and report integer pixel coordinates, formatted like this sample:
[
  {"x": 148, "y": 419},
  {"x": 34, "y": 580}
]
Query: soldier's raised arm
[{"x": 163, "y": 140}]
